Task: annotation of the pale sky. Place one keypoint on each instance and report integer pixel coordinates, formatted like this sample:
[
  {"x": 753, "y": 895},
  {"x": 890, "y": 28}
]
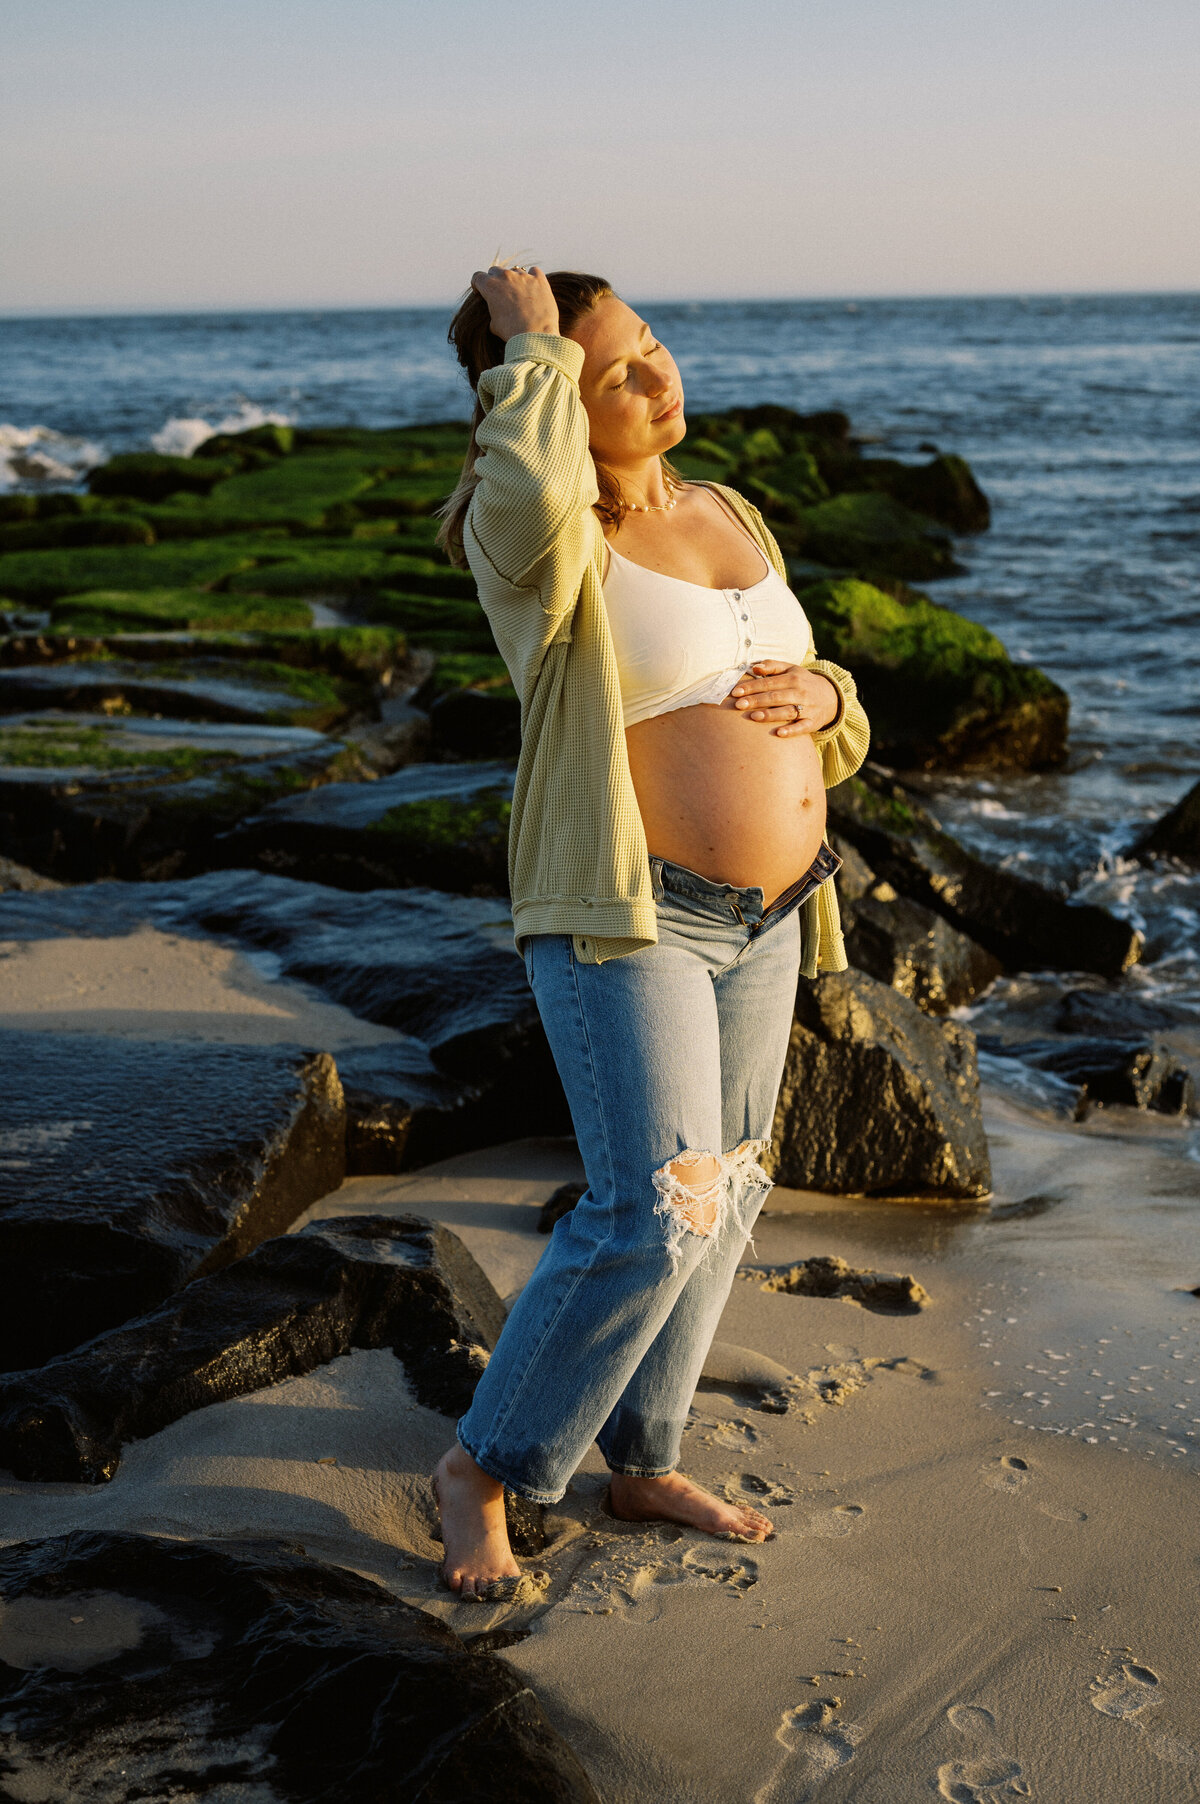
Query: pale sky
[{"x": 198, "y": 154}]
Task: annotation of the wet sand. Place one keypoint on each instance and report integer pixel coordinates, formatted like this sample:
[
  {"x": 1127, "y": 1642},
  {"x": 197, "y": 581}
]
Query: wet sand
[{"x": 970, "y": 1594}]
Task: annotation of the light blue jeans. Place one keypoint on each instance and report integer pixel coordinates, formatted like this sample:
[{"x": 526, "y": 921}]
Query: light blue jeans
[{"x": 667, "y": 1055}]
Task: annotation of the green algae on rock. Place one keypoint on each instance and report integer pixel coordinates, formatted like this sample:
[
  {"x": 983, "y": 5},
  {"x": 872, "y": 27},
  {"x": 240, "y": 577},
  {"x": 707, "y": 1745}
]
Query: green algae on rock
[
  {"x": 190, "y": 610},
  {"x": 941, "y": 692}
]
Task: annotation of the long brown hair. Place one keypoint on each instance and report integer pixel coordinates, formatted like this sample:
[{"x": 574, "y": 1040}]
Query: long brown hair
[{"x": 478, "y": 349}]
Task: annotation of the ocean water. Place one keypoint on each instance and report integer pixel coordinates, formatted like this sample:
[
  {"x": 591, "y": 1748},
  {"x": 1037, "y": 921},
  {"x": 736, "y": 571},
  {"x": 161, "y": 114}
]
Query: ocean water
[{"x": 1080, "y": 415}]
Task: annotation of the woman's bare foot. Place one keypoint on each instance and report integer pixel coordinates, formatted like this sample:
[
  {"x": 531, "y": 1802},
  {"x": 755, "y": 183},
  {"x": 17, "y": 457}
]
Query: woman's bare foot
[
  {"x": 675, "y": 1498},
  {"x": 474, "y": 1532}
]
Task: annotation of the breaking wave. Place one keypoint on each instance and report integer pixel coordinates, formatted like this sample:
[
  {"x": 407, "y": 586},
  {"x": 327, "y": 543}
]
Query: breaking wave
[
  {"x": 182, "y": 437},
  {"x": 34, "y": 457}
]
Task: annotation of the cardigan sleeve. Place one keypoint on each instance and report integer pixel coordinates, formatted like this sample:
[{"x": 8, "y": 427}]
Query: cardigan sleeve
[{"x": 529, "y": 530}]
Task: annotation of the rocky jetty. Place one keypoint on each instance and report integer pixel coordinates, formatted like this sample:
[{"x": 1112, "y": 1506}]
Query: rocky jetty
[{"x": 249, "y": 1669}]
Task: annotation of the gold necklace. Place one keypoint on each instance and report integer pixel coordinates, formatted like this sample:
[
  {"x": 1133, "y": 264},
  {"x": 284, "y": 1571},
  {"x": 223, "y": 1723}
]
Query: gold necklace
[{"x": 663, "y": 507}]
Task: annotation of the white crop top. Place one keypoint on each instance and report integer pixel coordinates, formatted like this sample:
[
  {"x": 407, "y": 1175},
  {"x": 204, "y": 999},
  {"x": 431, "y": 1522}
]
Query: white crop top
[{"x": 679, "y": 644}]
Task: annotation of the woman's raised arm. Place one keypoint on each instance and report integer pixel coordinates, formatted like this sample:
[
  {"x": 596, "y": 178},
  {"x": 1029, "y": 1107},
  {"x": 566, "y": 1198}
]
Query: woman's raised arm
[{"x": 530, "y": 525}]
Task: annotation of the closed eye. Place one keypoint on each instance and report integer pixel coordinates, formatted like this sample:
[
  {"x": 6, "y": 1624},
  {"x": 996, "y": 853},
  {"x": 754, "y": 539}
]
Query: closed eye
[{"x": 651, "y": 351}]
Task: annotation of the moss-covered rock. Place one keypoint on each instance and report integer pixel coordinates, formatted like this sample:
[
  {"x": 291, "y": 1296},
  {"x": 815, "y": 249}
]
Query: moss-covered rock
[
  {"x": 42, "y": 576},
  {"x": 940, "y": 691},
  {"x": 69, "y": 530},
  {"x": 251, "y": 689},
  {"x": 150, "y": 477},
  {"x": 151, "y": 821},
  {"x": 53, "y": 744},
  {"x": 444, "y": 826},
  {"x": 869, "y": 533},
  {"x": 190, "y": 610}
]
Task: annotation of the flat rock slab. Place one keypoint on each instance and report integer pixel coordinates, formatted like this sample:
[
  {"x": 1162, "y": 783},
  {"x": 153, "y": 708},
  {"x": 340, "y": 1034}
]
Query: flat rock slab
[
  {"x": 123, "y": 1177},
  {"x": 142, "y": 738},
  {"x": 877, "y": 1098},
  {"x": 439, "y": 825},
  {"x": 294, "y": 1303},
  {"x": 219, "y": 694},
  {"x": 241, "y": 1670}
]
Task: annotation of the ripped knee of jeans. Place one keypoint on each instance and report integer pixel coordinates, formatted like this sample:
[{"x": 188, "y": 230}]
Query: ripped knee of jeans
[{"x": 700, "y": 1193}]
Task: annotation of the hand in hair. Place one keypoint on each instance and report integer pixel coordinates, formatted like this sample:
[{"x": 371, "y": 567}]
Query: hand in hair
[{"x": 519, "y": 300}]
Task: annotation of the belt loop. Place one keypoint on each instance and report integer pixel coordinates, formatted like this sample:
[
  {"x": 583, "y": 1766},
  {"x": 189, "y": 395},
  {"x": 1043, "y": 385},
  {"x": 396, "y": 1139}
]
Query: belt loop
[{"x": 656, "y": 882}]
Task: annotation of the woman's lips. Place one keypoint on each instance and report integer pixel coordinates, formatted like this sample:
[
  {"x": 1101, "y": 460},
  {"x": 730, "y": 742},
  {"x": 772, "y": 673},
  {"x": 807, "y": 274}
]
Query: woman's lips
[{"x": 676, "y": 407}]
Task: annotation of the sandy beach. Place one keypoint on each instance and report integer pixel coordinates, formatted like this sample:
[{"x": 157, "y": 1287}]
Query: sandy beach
[{"x": 985, "y": 1511}]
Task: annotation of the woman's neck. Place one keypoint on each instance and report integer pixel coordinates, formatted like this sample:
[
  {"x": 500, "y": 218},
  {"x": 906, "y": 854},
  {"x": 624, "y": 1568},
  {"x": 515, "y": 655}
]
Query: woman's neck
[{"x": 643, "y": 483}]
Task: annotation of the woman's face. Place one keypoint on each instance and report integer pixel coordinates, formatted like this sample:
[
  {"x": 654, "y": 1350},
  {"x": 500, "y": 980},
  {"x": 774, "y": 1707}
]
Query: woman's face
[{"x": 630, "y": 386}]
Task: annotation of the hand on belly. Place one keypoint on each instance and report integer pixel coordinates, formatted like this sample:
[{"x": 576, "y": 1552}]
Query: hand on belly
[{"x": 728, "y": 797}]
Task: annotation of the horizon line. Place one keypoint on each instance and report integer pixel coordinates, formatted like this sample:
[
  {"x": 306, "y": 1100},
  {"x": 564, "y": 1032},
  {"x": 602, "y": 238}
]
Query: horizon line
[{"x": 761, "y": 300}]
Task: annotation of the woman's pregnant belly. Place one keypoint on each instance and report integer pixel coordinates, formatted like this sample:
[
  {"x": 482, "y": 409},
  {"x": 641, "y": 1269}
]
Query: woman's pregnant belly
[{"x": 727, "y": 797}]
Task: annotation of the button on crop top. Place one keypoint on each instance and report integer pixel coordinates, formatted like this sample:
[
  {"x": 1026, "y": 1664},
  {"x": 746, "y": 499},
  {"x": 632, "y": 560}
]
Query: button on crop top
[{"x": 679, "y": 644}]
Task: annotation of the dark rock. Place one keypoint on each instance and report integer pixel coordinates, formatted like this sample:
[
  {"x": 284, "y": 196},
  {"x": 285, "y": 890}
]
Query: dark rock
[
  {"x": 941, "y": 692},
  {"x": 1106, "y": 1012},
  {"x": 1177, "y": 834},
  {"x": 440, "y": 968},
  {"x": 472, "y": 723},
  {"x": 877, "y": 1098},
  {"x": 1138, "y": 1074},
  {"x": 402, "y": 737},
  {"x": 126, "y": 1176},
  {"x": 559, "y": 1204},
  {"x": 128, "y": 807},
  {"x": 292, "y": 1304},
  {"x": 916, "y": 951},
  {"x": 440, "y": 825},
  {"x": 402, "y": 1112},
  {"x": 887, "y": 1293},
  {"x": 944, "y": 489},
  {"x": 1025, "y": 926},
  {"x": 238, "y": 1669}
]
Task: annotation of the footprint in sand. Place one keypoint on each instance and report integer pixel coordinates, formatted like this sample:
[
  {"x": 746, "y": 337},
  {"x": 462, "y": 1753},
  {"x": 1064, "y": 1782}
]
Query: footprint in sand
[
  {"x": 1126, "y": 1690},
  {"x": 1008, "y": 1472},
  {"x": 842, "y": 1519},
  {"x": 816, "y": 1743},
  {"x": 740, "y": 1574},
  {"x": 990, "y": 1776}
]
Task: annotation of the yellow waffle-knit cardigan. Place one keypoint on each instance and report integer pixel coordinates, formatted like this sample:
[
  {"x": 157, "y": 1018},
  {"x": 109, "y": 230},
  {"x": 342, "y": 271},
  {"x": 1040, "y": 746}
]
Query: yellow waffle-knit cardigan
[{"x": 577, "y": 855}]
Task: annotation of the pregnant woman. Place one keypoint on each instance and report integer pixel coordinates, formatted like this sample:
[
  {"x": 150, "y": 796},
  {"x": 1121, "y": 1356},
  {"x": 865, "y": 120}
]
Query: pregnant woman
[{"x": 670, "y": 879}]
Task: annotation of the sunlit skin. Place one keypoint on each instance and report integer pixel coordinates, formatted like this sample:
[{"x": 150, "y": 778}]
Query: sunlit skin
[{"x": 733, "y": 791}]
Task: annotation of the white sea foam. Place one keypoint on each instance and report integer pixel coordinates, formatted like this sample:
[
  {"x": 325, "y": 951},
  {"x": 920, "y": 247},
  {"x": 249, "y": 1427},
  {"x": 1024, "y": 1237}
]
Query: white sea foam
[
  {"x": 38, "y": 457},
  {"x": 183, "y": 437}
]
